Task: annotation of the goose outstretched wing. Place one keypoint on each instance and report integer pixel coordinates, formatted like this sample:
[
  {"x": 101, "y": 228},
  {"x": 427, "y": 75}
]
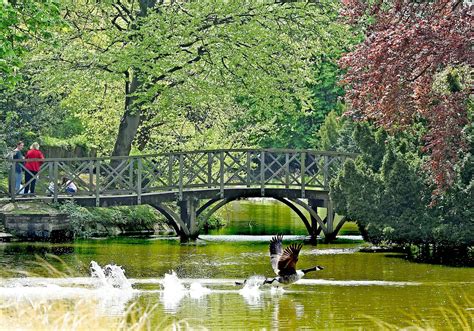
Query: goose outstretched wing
[
  {"x": 287, "y": 260},
  {"x": 276, "y": 250}
]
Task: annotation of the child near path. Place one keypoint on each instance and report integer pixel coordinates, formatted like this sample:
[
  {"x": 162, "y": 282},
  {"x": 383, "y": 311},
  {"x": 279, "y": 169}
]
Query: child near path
[
  {"x": 70, "y": 188},
  {"x": 32, "y": 167},
  {"x": 67, "y": 184}
]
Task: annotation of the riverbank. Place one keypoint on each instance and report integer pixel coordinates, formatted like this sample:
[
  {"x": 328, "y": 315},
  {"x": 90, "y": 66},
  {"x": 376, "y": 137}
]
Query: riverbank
[{"x": 95, "y": 222}]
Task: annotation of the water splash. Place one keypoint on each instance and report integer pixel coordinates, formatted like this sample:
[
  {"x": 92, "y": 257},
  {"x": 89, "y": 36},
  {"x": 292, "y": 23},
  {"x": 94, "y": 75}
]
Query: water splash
[
  {"x": 107, "y": 287},
  {"x": 251, "y": 290},
  {"x": 174, "y": 291},
  {"x": 110, "y": 276}
]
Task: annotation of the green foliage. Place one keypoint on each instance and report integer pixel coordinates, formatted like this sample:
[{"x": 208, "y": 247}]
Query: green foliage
[
  {"x": 211, "y": 74},
  {"x": 27, "y": 114},
  {"x": 385, "y": 190},
  {"x": 215, "y": 222},
  {"x": 292, "y": 127},
  {"x": 92, "y": 221},
  {"x": 67, "y": 143},
  {"x": 329, "y": 133},
  {"x": 22, "y": 22},
  {"x": 83, "y": 222}
]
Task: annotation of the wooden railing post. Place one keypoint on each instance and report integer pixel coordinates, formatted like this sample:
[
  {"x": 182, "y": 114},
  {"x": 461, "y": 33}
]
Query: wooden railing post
[
  {"x": 326, "y": 172},
  {"x": 221, "y": 173},
  {"x": 131, "y": 174},
  {"x": 56, "y": 181},
  {"x": 181, "y": 176},
  {"x": 139, "y": 180},
  {"x": 209, "y": 169},
  {"x": 13, "y": 180},
  {"x": 97, "y": 183},
  {"x": 170, "y": 170},
  {"x": 249, "y": 170},
  {"x": 303, "y": 173},
  {"x": 262, "y": 173},
  {"x": 287, "y": 170},
  {"x": 91, "y": 178}
]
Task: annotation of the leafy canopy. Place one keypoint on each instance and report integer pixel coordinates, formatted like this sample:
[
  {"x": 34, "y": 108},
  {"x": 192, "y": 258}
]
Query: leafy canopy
[
  {"x": 23, "y": 23},
  {"x": 393, "y": 76},
  {"x": 191, "y": 59}
]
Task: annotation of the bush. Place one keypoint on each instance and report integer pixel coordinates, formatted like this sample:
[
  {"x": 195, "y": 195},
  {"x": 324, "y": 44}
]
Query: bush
[
  {"x": 214, "y": 223},
  {"x": 87, "y": 222},
  {"x": 387, "y": 191},
  {"x": 84, "y": 224},
  {"x": 67, "y": 144}
]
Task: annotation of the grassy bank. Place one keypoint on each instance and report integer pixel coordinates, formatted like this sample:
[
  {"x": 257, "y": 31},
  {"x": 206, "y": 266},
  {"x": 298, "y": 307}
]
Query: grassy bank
[{"x": 88, "y": 222}]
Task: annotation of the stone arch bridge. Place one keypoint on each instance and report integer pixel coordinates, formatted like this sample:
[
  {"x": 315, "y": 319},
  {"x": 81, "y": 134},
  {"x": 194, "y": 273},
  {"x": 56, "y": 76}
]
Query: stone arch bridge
[{"x": 188, "y": 187}]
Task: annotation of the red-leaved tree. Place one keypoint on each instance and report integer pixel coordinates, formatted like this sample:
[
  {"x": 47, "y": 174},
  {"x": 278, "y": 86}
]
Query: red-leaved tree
[{"x": 390, "y": 76}]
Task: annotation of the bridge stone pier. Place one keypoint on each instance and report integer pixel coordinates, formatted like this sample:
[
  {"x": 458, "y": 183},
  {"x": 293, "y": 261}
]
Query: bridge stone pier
[{"x": 188, "y": 187}]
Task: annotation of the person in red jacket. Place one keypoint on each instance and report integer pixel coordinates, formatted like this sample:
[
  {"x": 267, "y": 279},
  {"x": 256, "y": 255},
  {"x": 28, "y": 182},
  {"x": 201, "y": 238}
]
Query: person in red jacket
[{"x": 32, "y": 167}]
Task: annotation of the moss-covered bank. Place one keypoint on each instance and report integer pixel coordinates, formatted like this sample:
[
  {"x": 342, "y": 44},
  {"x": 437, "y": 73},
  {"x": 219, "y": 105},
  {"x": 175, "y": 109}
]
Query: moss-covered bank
[{"x": 89, "y": 222}]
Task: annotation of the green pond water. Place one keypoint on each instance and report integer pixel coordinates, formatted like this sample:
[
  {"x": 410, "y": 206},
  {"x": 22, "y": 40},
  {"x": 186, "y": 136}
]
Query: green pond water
[{"x": 356, "y": 290}]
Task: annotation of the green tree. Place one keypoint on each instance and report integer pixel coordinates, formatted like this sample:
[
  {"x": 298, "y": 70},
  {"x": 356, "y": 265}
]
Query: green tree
[
  {"x": 157, "y": 62},
  {"x": 330, "y": 133},
  {"x": 22, "y": 23},
  {"x": 386, "y": 190}
]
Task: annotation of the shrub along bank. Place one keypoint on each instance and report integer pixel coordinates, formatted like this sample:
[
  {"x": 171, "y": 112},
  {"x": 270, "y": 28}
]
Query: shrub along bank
[
  {"x": 88, "y": 222},
  {"x": 388, "y": 192}
]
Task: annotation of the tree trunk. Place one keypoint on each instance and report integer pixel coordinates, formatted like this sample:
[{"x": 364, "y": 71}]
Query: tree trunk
[
  {"x": 130, "y": 121},
  {"x": 131, "y": 118}
]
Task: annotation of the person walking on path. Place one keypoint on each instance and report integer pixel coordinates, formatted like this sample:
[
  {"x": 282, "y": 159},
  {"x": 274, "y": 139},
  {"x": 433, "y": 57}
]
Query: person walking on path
[
  {"x": 18, "y": 155},
  {"x": 32, "y": 167}
]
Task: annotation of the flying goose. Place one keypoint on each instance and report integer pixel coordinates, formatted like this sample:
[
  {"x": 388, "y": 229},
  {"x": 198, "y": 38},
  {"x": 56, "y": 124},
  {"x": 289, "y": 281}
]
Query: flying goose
[{"x": 284, "y": 262}]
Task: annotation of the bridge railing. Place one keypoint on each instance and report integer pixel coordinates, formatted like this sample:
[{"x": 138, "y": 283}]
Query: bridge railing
[{"x": 181, "y": 171}]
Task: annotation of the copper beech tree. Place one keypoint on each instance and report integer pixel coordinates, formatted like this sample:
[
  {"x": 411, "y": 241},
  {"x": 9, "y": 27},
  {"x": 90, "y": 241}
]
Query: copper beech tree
[{"x": 392, "y": 78}]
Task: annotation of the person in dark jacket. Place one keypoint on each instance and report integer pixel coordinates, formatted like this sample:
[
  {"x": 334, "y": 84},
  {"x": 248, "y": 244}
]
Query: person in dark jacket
[
  {"x": 32, "y": 167},
  {"x": 18, "y": 155}
]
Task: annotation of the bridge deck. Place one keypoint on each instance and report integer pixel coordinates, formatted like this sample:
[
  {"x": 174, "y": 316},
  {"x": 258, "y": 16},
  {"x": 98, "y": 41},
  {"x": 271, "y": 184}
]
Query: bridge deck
[{"x": 160, "y": 197}]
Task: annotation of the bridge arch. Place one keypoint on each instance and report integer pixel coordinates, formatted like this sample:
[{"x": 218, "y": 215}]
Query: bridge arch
[
  {"x": 173, "y": 218},
  {"x": 221, "y": 202}
]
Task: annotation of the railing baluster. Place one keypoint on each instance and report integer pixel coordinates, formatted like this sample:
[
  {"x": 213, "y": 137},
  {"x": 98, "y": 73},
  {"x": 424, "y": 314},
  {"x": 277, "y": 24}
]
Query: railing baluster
[
  {"x": 221, "y": 173},
  {"x": 139, "y": 180},
  {"x": 91, "y": 178},
  {"x": 303, "y": 172},
  {"x": 130, "y": 174},
  {"x": 180, "y": 176},
  {"x": 13, "y": 180},
  {"x": 287, "y": 170},
  {"x": 209, "y": 169},
  {"x": 325, "y": 172},
  {"x": 56, "y": 181},
  {"x": 262, "y": 173},
  {"x": 248, "y": 179},
  {"x": 97, "y": 183},
  {"x": 170, "y": 171}
]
